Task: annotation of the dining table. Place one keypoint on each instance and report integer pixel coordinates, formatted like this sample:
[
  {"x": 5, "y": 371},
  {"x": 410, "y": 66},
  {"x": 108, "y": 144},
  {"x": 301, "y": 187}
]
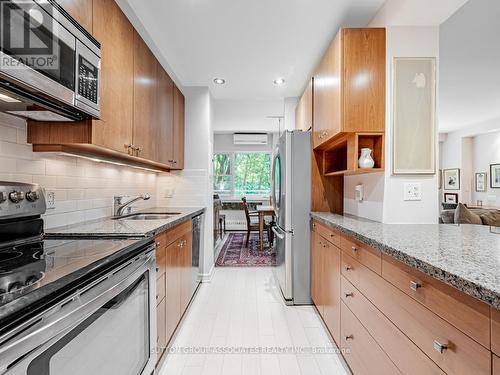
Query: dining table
[{"x": 263, "y": 211}]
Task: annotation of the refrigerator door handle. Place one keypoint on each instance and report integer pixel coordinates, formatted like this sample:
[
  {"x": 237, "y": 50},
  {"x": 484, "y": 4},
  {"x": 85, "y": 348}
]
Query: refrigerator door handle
[
  {"x": 273, "y": 182},
  {"x": 278, "y": 234}
]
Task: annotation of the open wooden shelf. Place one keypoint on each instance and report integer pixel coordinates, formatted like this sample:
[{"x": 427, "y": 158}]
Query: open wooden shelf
[{"x": 340, "y": 156}]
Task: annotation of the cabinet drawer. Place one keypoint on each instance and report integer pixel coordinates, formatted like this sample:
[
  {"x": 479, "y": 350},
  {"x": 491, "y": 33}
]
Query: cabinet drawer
[
  {"x": 363, "y": 354},
  {"x": 404, "y": 353},
  {"x": 464, "y": 312},
  {"x": 428, "y": 331},
  {"x": 495, "y": 331},
  {"x": 365, "y": 254},
  {"x": 160, "y": 287},
  {"x": 176, "y": 232},
  {"x": 330, "y": 234},
  {"x": 161, "y": 261},
  {"x": 161, "y": 331}
]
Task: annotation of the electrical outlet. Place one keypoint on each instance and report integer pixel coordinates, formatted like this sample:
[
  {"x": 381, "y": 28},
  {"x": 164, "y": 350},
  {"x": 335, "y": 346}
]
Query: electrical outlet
[
  {"x": 50, "y": 198},
  {"x": 413, "y": 191},
  {"x": 169, "y": 193}
]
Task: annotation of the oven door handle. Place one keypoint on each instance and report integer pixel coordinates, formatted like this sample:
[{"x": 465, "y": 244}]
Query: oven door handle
[{"x": 68, "y": 314}]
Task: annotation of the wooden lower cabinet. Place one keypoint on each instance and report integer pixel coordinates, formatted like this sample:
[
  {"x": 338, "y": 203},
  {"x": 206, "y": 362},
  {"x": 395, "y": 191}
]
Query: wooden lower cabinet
[
  {"x": 393, "y": 319},
  {"x": 175, "y": 245},
  {"x": 495, "y": 331},
  {"x": 325, "y": 282},
  {"x": 316, "y": 271},
  {"x": 331, "y": 282},
  {"x": 402, "y": 351},
  {"x": 496, "y": 365},
  {"x": 173, "y": 293},
  {"x": 363, "y": 354}
]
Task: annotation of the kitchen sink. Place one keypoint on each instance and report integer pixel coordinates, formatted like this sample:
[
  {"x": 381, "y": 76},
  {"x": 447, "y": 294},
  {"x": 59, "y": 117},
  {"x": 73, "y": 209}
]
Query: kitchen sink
[{"x": 148, "y": 216}]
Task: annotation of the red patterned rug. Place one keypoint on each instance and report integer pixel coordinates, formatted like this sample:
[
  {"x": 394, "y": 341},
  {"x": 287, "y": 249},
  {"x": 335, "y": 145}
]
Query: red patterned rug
[{"x": 235, "y": 254}]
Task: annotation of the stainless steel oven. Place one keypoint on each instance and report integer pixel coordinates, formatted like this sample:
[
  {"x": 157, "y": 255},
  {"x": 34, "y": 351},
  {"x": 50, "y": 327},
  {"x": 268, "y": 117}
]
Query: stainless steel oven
[
  {"x": 47, "y": 60},
  {"x": 107, "y": 327}
]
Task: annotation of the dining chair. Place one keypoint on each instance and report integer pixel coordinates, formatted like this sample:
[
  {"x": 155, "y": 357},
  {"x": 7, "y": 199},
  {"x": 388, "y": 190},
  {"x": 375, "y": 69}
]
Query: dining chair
[{"x": 253, "y": 225}]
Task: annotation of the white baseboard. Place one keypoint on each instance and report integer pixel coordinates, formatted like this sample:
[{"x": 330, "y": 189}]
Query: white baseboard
[{"x": 207, "y": 277}]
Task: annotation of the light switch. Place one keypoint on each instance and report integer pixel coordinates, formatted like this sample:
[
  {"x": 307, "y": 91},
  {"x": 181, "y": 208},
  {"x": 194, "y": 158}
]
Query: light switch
[{"x": 413, "y": 191}]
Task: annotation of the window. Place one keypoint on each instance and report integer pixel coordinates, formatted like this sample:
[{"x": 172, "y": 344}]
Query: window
[{"x": 242, "y": 174}]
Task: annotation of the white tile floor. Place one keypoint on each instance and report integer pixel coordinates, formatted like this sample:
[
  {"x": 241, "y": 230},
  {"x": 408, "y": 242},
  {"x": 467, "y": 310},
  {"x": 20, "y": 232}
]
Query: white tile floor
[{"x": 242, "y": 307}]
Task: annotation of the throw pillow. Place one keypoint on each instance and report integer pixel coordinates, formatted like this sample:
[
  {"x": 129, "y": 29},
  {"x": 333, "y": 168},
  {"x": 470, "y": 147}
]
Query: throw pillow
[
  {"x": 465, "y": 216},
  {"x": 491, "y": 218}
]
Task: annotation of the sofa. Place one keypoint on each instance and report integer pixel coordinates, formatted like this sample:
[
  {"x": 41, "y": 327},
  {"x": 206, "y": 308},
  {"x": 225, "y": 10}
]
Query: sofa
[{"x": 461, "y": 214}]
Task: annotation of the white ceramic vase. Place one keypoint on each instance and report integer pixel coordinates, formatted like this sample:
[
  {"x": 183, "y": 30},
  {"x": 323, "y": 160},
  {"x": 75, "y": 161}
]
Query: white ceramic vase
[{"x": 366, "y": 160}]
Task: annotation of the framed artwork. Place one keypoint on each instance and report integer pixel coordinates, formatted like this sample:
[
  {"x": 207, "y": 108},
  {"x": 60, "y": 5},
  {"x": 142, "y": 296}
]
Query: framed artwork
[
  {"x": 450, "y": 197},
  {"x": 495, "y": 176},
  {"x": 414, "y": 126},
  {"x": 481, "y": 181},
  {"x": 451, "y": 179}
]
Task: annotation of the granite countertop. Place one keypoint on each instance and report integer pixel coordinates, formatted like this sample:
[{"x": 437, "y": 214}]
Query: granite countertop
[
  {"x": 465, "y": 256},
  {"x": 127, "y": 228}
]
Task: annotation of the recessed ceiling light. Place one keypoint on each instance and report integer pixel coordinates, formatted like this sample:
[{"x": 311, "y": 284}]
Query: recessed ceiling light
[
  {"x": 219, "y": 81},
  {"x": 279, "y": 81}
]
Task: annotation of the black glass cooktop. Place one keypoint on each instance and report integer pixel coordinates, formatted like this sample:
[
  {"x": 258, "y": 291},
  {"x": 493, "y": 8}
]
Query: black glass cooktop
[{"x": 28, "y": 267}]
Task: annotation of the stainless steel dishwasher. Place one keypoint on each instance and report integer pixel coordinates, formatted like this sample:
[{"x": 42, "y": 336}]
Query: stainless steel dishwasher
[{"x": 197, "y": 223}]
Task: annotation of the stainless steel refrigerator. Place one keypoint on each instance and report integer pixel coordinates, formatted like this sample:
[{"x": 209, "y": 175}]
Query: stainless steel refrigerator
[{"x": 291, "y": 198}]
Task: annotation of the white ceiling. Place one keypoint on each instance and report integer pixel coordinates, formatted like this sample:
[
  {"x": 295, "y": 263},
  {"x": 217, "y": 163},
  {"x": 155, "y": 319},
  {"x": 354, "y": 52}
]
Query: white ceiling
[
  {"x": 469, "y": 82},
  {"x": 248, "y": 43}
]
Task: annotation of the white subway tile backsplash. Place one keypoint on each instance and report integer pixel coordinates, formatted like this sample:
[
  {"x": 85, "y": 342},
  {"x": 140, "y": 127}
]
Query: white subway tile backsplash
[
  {"x": 8, "y": 134},
  {"x": 84, "y": 189}
]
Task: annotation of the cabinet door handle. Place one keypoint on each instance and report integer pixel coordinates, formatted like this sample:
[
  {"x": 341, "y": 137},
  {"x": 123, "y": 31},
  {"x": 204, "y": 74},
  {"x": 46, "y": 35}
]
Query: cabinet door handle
[
  {"x": 158, "y": 244},
  {"x": 349, "y": 337},
  {"x": 347, "y": 267},
  {"x": 350, "y": 294},
  {"x": 354, "y": 249},
  {"x": 414, "y": 285},
  {"x": 440, "y": 347},
  {"x": 157, "y": 269},
  {"x": 171, "y": 161}
]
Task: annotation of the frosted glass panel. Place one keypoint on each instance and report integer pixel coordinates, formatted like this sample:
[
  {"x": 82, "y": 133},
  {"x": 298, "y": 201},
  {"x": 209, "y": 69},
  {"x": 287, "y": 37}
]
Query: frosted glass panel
[{"x": 414, "y": 116}]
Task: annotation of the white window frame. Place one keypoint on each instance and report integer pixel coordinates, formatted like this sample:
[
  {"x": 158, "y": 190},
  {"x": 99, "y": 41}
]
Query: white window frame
[{"x": 232, "y": 155}]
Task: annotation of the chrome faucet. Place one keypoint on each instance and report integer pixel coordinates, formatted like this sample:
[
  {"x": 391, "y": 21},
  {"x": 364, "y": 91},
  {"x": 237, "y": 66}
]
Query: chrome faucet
[{"x": 119, "y": 206}]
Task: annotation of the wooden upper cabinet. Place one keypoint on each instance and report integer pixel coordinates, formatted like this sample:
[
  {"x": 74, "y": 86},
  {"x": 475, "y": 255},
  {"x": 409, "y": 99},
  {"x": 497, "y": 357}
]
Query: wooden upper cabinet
[
  {"x": 114, "y": 130},
  {"x": 145, "y": 129},
  {"x": 80, "y": 10},
  {"x": 303, "y": 111},
  {"x": 165, "y": 113},
  {"x": 349, "y": 85},
  {"x": 178, "y": 146},
  {"x": 327, "y": 94},
  {"x": 142, "y": 112}
]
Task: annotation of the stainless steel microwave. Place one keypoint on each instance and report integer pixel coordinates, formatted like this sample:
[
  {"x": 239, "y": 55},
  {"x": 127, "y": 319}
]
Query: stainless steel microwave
[{"x": 49, "y": 64}]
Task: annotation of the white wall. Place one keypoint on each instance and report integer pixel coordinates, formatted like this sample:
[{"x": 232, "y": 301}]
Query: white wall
[
  {"x": 84, "y": 189},
  {"x": 459, "y": 149},
  {"x": 486, "y": 151},
  {"x": 247, "y": 115},
  {"x": 384, "y": 191},
  {"x": 472, "y": 154},
  {"x": 192, "y": 187}
]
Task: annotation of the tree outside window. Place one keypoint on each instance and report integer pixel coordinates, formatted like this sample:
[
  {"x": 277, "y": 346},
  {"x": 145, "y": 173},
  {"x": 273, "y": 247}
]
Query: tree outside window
[{"x": 242, "y": 174}]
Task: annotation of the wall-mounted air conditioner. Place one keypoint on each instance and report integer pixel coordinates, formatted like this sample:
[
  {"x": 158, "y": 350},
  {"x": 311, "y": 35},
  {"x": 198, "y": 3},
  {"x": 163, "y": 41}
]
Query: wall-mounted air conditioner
[{"x": 250, "y": 138}]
